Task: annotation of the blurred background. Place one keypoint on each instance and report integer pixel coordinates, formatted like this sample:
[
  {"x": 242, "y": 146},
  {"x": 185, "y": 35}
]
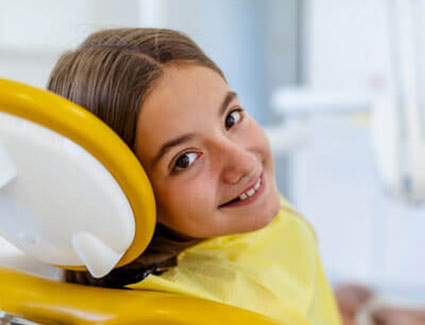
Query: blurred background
[{"x": 338, "y": 85}]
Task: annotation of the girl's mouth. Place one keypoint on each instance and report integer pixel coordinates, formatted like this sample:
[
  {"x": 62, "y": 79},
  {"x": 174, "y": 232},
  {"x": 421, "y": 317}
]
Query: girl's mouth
[{"x": 248, "y": 196}]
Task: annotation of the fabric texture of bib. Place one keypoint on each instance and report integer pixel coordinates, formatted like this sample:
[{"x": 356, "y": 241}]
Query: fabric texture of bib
[{"x": 275, "y": 271}]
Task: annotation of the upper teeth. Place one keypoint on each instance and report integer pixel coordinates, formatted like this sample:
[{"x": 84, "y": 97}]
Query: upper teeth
[{"x": 251, "y": 191}]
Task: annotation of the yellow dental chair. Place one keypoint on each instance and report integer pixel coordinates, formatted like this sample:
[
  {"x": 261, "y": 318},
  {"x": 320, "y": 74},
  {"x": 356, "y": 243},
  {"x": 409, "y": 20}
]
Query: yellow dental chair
[{"x": 74, "y": 196}]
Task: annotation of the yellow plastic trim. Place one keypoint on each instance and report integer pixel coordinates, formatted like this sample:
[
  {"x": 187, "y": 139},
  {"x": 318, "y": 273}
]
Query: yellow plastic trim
[
  {"x": 49, "y": 302},
  {"x": 82, "y": 127}
]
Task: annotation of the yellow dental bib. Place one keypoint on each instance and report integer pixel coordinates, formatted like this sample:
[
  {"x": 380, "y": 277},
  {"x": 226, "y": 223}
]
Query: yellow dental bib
[{"x": 274, "y": 271}]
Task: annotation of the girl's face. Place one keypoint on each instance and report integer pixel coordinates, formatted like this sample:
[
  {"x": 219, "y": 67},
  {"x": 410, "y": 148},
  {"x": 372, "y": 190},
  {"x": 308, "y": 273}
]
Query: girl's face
[{"x": 209, "y": 162}]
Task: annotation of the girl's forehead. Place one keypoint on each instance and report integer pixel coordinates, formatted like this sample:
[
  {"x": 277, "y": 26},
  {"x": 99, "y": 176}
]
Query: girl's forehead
[
  {"x": 185, "y": 94},
  {"x": 184, "y": 100}
]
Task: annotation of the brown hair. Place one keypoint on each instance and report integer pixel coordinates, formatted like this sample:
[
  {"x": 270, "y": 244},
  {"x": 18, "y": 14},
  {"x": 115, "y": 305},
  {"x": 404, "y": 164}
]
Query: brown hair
[{"x": 110, "y": 74}]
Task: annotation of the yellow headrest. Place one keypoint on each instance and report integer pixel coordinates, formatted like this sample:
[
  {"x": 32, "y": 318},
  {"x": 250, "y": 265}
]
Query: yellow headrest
[{"x": 85, "y": 129}]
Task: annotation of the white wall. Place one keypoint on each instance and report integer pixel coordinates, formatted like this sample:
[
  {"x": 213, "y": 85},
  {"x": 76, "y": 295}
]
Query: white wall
[
  {"x": 347, "y": 45},
  {"x": 33, "y": 34},
  {"x": 364, "y": 235}
]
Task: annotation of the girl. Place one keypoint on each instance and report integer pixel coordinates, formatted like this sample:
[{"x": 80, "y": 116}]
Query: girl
[{"x": 223, "y": 231}]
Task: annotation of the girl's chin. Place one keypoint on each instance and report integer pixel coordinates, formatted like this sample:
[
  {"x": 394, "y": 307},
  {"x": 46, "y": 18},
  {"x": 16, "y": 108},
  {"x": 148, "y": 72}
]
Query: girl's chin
[
  {"x": 267, "y": 216},
  {"x": 273, "y": 213},
  {"x": 275, "y": 205}
]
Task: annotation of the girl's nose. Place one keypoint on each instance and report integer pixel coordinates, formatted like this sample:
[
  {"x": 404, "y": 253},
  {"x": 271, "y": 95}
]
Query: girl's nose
[{"x": 238, "y": 163}]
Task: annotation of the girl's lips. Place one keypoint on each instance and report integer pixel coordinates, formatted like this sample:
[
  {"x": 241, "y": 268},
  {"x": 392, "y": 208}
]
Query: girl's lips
[{"x": 249, "y": 200}]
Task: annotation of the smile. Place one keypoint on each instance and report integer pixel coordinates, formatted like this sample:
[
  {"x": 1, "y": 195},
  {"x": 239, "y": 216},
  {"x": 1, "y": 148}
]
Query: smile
[
  {"x": 249, "y": 196},
  {"x": 251, "y": 191}
]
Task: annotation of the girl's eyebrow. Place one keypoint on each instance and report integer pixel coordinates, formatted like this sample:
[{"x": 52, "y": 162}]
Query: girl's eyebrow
[
  {"x": 168, "y": 145},
  {"x": 230, "y": 95},
  {"x": 227, "y": 100}
]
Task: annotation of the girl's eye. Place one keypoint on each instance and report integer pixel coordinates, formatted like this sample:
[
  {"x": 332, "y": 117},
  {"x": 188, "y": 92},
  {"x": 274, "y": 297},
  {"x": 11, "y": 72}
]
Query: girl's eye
[
  {"x": 233, "y": 118},
  {"x": 184, "y": 160}
]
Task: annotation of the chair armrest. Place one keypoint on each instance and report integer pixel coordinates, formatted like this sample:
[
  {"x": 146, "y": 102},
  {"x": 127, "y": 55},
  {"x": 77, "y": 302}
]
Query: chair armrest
[{"x": 50, "y": 302}]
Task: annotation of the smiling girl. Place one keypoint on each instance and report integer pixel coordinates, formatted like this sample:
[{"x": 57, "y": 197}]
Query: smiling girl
[{"x": 223, "y": 232}]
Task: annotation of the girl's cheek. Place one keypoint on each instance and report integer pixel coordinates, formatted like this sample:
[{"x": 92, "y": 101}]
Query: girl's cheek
[
  {"x": 259, "y": 139},
  {"x": 188, "y": 184},
  {"x": 204, "y": 181}
]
